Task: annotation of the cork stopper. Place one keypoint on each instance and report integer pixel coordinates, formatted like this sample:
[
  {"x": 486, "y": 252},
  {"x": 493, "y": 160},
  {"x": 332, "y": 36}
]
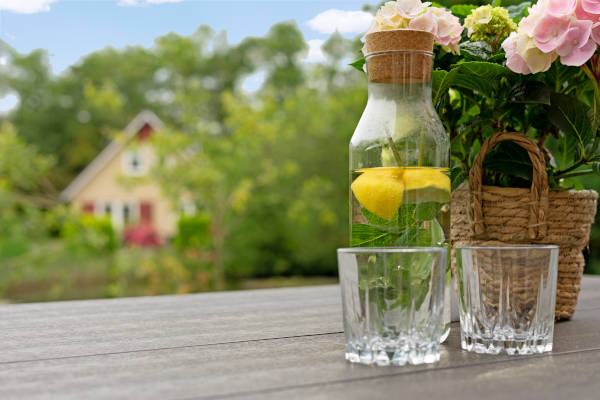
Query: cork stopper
[{"x": 399, "y": 56}]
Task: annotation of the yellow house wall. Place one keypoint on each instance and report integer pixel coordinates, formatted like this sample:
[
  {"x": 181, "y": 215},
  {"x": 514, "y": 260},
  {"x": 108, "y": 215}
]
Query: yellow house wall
[{"x": 108, "y": 186}]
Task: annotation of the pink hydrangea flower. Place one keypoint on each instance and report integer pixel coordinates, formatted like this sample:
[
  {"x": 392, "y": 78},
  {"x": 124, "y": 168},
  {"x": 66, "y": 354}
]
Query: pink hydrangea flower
[
  {"x": 560, "y": 8},
  {"x": 580, "y": 13},
  {"x": 536, "y": 59},
  {"x": 596, "y": 32},
  {"x": 591, "y": 6},
  {"x": 550, "y": 31},
  {"x": 577, "y": 36},
  {"x": 409, "y": 9},
  {"x": 449, "y": 28},
  {"x": 387, "y": 16},
  {"x": 569, "y": 29},
  {"x": 514, "y": 61},
  {"x": 424, "y": 22},
  {"x": 414, "y": 14},
  {"x": 580, "y": 55},
  {"x": 536, "y": 12}
]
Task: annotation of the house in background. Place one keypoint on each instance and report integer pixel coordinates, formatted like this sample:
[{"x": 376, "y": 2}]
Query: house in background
[{"x": 101, "y": 188}]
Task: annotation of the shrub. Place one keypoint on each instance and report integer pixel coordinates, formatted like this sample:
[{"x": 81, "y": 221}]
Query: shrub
[
  {"x": 90, "y": 233},
  {"x": 193, "y": 232}
]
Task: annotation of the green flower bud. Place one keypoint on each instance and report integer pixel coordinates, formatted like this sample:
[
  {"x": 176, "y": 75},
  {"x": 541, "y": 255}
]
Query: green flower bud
[{"x": 489, "y": 23}]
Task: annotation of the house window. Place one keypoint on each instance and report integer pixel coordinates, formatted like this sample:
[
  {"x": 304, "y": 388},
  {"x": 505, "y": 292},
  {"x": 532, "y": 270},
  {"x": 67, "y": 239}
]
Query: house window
[
  {"x": 121, "y": 213},
  {"x": 188, "y": 208},
  {"x": 133, "y": 163},
  {"x": 126, "y": 213}
]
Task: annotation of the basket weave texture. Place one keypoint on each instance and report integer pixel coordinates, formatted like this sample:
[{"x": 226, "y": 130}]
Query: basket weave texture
[{"x": 489, "y": 215}]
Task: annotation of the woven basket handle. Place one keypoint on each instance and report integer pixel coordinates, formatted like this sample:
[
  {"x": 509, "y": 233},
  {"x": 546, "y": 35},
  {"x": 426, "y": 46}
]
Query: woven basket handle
[{"x": 537, "y": 227}]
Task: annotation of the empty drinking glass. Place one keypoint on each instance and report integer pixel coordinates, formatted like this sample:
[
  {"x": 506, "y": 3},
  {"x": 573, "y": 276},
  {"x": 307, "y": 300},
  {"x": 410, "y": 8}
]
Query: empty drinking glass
[
  {"x": 393, "y": 303},
  {"x": 507, "y": 296}
]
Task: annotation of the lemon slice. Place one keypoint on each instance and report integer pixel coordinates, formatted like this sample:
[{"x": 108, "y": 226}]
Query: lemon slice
[
  {"x": 383, "y": 190},
  {"x": 426, "y": 185},
  {"x": 380, "y": 190}
]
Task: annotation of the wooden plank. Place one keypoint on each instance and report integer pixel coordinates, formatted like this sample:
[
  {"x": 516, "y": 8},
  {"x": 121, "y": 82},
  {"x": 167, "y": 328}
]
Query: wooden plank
[
  {"x": 64, "y": 329},
  {"x": 263, "y": 367},
  {"x": 589, "y": 297},
  {"x": 560, "y": 377}
]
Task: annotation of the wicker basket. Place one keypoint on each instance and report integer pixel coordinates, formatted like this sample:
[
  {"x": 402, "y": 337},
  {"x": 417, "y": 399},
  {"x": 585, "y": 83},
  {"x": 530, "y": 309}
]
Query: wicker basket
[{"x": 495, "y": 215}]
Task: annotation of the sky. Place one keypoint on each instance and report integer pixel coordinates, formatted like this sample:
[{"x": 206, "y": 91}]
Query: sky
[{"x": 70, "y": 29}]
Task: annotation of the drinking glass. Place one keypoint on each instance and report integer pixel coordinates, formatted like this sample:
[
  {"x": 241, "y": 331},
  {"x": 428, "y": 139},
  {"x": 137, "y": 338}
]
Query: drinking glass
[
  {"x": 507, "y": 296},
  {"x": 393, "y": 303}
]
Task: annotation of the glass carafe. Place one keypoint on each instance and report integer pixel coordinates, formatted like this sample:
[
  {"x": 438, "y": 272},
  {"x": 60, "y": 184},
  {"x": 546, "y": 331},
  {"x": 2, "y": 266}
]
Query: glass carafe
[{"x": 399, "y": 158}]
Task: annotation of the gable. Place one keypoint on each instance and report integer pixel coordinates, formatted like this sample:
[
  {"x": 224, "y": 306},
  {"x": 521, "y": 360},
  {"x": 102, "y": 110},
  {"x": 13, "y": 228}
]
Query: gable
[{"x": 141, "y": 126}]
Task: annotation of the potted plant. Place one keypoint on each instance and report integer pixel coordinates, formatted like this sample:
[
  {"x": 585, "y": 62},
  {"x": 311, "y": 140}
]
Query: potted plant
[{"x": 531, "y": 69}]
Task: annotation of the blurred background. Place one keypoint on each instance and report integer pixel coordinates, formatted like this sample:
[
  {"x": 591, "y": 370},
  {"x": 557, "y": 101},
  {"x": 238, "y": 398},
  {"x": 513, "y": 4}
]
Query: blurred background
[{"x": 163, "y": 146}]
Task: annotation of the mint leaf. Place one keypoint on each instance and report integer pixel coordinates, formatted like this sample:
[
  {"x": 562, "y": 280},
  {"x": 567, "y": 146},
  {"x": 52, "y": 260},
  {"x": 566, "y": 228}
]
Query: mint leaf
[
  {"x": 369, "y": 236},
  {"x": 378, "y": 221},
  {"x": 359, "y": 64},
  {"x": 427, "y": 211}
]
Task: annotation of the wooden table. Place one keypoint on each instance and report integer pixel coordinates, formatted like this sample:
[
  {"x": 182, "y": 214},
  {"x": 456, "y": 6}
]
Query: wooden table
[{"x": 263, "y": 344}]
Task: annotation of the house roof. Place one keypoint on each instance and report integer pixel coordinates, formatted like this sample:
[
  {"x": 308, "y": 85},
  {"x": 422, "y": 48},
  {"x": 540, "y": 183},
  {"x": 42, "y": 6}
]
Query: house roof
[{"x": 146, "y": 117}]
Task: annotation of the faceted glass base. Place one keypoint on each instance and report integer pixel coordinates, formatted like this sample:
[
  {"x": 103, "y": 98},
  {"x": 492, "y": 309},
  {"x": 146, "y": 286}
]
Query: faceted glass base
[
  {"x": 392, "y": 353},
  {"x": 498, "y": 345},
  {"x": 445, "y": 332}
]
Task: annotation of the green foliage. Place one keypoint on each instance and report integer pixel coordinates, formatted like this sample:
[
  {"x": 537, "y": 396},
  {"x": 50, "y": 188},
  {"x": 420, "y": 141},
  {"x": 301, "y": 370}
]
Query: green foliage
[
  {"x": 518, "y": 11},
  {"x": 476, "y": 51},
  {"x": 359, "y": 64},
  {"x": 462, "y": 10},
  {"x": 89, "y": 234},
  {"x": 571, "y": 116},
  {"x": 193, "y": 232}
]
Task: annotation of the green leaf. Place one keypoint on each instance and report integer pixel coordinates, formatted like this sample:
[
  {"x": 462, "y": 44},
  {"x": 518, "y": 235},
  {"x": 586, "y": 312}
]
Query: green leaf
[
  {"x": 472, "y": 75},
  {"x": 518, "y": 11},
  {"x": 483, "y": 69},
  {"x": 443, "y": 87},
  {"x": 414, "y": 236},
  {"x": 497, "y": 3},
  {"x": 427, "y": 211},
  {"x": 596, "y": 168},
  {"x": 407, "y": 215},
  {"x": 562, "y": 150},
  {"x": 462, "y": 10},
  {"x": 458, "y": 176},
  {"x": 359, "y": 64},
  {"x": 366, "y": 235},
  {"x": 378, "y": 221},
  {"x": 573, "y": 183},
  {"x": 437, "y": 78},
  {"x": 571, "y": 116},
  {"x": 474, "y": 83},
  {"x": 476, "y": 50},
  {"x": 498, "y": 58},
  {"x": 509, "y": 158},
  {"x": 532, "y": 92}
]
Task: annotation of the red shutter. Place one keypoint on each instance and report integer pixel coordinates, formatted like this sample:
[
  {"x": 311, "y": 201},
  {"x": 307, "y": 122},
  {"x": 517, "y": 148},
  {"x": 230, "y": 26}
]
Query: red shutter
[
  {"x": 88, "y": 207},
  {"x": 146, "y": 212},
  {"x": 145, "y": 132}
]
